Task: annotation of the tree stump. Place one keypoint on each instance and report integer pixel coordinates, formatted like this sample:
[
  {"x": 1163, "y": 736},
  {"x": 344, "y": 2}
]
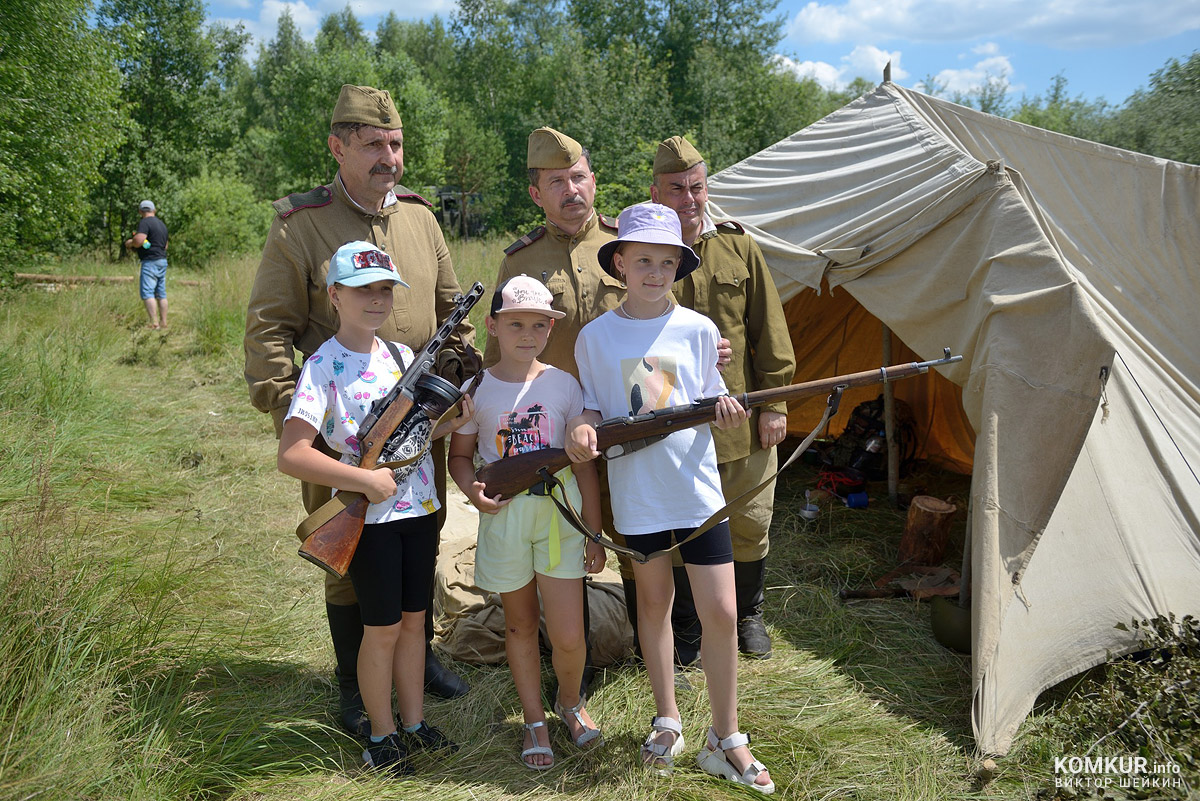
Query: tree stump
[{"x": 926, "y": 531}]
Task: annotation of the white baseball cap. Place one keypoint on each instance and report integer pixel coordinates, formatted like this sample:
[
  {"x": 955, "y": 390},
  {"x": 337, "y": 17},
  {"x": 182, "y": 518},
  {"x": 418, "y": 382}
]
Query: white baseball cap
[{"x": 522, "y": 293}]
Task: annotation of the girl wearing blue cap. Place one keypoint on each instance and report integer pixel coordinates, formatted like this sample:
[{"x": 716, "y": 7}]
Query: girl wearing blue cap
[
  {"x": 646, "y": 354},
  {"x": 392, "y": 569}
]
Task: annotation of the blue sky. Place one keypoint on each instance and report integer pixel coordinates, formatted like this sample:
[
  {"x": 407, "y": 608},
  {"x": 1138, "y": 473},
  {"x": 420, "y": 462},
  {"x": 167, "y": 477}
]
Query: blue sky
[{"x": 1106, "y": 49}]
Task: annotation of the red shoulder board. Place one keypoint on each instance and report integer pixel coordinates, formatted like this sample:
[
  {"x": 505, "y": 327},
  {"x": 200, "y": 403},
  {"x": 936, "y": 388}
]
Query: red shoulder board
[
  {"x": 608, "y": 222},
  {"x": 526, "y": 240},
  {"x": 403, "y": 193},
  {"x": 313, "y": 198}
]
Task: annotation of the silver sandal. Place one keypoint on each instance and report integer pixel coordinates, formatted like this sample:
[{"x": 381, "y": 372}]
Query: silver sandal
[
  {"x": 590, "y": 734},
  {"x": 536, "y": 749},
  {"x": 712, "y": 760}
]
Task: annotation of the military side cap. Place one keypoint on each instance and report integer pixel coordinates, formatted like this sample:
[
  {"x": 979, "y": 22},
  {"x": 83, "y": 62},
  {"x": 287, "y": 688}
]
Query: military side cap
[
  {"x": 552, "y": 150},
  {"x": 366, "y": 105},
  {"x": 675, "y": 155}
]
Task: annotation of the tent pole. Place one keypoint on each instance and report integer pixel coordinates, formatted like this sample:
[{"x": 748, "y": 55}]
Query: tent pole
[{"x": 889, "y": 424}]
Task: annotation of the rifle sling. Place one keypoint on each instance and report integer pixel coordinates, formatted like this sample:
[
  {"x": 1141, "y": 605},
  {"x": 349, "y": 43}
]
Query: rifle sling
[{"x": 573, "y": 517}]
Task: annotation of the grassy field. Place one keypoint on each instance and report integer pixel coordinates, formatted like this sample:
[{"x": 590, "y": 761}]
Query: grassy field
[{"x": 163, "y": 641}]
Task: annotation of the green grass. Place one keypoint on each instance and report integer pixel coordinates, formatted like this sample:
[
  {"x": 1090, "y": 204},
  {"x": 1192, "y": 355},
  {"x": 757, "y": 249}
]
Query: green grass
[{"x": 163, "y": 641}]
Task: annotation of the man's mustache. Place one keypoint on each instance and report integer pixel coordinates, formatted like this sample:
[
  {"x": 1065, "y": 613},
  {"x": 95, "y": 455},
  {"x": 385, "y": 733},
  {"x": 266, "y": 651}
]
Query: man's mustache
[
  {"x": 380, "y": 169},
  {"x": 572, "y": 201}
]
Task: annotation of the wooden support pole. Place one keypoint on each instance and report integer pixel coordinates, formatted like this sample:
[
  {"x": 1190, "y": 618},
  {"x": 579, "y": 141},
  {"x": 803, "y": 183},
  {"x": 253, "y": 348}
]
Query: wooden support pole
[{"x": 889, "y": 424}]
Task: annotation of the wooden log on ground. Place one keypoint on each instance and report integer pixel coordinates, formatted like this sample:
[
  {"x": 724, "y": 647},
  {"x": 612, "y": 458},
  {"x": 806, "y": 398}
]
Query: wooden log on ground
[
  {"x": 926, "y": 531},
  {"x": 47, "y": 278}
]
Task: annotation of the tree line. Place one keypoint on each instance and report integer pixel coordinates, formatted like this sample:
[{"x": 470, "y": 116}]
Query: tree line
[{"x": 104, "y": 104}]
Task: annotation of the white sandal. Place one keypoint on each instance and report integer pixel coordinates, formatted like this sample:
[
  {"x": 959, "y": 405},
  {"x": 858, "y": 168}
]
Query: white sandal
[
  {"x": 712, "y": 760},
  {"x": 536, "y": 749},
  {"x": 589, "y": 734},
  {"x": 659, "y": 758}
]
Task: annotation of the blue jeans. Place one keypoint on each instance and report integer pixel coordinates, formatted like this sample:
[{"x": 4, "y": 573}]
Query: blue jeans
[{"x": 154, "y": 278}]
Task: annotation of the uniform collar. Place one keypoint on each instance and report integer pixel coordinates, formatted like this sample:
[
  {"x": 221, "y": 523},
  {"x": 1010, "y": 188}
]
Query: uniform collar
[
  {"x": 707, "y": 228},
  {"x": 388, "y": 200},
  {"x": 591, "y": 222}
]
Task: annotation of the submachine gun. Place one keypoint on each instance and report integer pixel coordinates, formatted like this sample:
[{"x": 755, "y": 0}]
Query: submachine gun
[{"x": 395, "y": 433}]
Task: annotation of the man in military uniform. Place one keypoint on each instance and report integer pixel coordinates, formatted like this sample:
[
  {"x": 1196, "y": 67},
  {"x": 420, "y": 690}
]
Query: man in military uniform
[
  {"x": 562, "y": 253},
  {"x": 732, "y": 288},
  {"x": 290, "y": 312}
]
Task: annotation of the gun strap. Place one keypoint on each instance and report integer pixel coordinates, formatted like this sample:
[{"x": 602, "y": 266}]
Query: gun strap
[{"x": 572, "y": 516}]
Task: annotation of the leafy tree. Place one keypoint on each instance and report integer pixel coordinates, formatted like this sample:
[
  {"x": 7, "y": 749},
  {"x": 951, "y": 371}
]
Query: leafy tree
[
  {"x": 1165, "y": 119},
  {"x": 60, "y": 115},
  {"x": 175, "y": 79},
  {"x": 475, "y": 161},
  {"x": 1059, "y": 112}
]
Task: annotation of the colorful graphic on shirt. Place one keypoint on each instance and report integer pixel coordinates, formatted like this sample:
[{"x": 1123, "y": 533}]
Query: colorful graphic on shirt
[
  {"x": 524, "y": 430},
  {"x": 650, "y": 381},
  {"x": 338, "y": 367},
  {"x": 367, "y": 376}
]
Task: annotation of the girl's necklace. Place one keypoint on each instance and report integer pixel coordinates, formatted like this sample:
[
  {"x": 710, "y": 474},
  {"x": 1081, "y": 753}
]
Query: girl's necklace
[{"x": 621, "y": 310}]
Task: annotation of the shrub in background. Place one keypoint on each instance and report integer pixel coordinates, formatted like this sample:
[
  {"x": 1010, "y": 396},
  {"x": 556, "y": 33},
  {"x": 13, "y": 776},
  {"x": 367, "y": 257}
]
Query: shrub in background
[{"x": 217, "y": 215}]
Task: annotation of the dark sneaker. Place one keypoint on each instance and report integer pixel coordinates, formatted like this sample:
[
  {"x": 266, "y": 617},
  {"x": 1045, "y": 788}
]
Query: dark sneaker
[
  {"x": 429, "y": 738},
  {"x": 388, "y": 755},
  {"x": 753, "y": 639}
]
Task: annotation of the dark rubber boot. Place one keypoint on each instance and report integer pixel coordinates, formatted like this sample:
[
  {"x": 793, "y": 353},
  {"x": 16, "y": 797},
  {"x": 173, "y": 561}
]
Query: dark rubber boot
[
  {"x": 440, "y": 680},
  {"x": 684, "y": 620},
  {"x": 589, "y": 670},
  {"x": 748, "y": 578},
  {"x": 630, "y": 588},
  {"x": 346, "y": 630}
]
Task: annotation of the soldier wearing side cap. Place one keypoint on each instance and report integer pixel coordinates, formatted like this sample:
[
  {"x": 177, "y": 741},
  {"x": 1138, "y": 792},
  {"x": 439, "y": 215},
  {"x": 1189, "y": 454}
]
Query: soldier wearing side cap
[
  {"x": 733, "y": 288},
  {"x": 562, "y": 255},
  {"x": 290, "y": 312}
]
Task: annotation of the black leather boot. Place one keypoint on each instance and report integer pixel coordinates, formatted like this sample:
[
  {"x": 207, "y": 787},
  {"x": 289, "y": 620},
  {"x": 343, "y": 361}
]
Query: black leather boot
[
  {"x": 748, "y": 578},
  {"x": 630, "y": 589},
  {"x": 346, "y": 630},
  {"x": 439, "y": 679},
  {"x": 684, "y": 620}
]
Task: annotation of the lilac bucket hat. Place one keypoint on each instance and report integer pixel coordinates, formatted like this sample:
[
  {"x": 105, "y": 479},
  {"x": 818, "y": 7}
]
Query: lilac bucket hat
[{"x": 653, "y": 223}]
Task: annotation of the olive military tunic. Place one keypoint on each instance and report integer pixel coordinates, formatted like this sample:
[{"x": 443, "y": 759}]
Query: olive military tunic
[
  {"x": 290, "y": 311},
  {"x": 734, "y": 289}
]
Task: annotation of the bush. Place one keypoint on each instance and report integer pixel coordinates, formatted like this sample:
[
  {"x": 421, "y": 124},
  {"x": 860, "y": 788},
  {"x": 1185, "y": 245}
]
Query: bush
[
  {"x": 217, "y": 215},
  {"x": 1148, "y": 706}
]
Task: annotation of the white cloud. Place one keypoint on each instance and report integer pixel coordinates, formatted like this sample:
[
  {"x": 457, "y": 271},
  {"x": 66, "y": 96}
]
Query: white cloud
[
  {"x": 1060, "y": 23},
  {"x": 986, "y": 49},
  {"x": 308, "y": 17},
  {"x": 864, "y": 61},
  {"x": 966, "y": 80}
]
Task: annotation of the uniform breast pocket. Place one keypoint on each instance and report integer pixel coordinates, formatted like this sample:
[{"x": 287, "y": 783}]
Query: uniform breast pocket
[
  {"x": 729, "y": 295},
  {"x": 564, "y": 298},
  {"x": 402, "y": 310}
]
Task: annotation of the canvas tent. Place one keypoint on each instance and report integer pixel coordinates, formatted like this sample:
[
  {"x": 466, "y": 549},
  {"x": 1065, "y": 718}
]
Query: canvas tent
[{"x": 1066, "y": 273}]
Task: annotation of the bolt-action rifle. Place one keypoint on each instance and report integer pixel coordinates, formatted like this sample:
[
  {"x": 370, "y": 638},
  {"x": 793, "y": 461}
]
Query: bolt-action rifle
[
  {"x": 619, "y": 436},
  {"x": 394, "y": 433}
]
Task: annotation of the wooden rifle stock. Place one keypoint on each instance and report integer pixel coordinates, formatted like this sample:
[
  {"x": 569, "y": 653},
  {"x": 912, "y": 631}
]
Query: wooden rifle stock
[
  {"x": 513, "y": 475},
  {"x": 331, "y": 545}
]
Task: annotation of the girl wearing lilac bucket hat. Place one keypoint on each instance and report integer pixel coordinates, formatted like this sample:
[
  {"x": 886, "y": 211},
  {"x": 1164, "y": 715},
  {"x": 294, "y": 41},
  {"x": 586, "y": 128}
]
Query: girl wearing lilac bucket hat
[{"x": 647, "y": 354}]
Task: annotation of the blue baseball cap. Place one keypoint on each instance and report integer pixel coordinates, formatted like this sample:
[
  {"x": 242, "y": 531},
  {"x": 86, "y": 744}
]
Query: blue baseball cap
[
  {"x": 361, "y": 263},
  {"x": 655, "y": 224}
]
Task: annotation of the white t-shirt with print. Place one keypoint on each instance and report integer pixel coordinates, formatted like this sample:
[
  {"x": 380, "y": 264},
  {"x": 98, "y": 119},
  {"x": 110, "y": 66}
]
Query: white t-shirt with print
[
  {"x": 334, "y": 393},
  {"x": 512, "y": 418},
  {"x": 635, "y": 366}
]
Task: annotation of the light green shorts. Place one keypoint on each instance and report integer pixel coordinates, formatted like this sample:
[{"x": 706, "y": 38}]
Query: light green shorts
[{"x": 517, "y": 541}]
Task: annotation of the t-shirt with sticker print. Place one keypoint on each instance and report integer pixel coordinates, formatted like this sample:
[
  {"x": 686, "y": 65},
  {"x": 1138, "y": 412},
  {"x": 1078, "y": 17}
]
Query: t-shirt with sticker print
[
  {"x": 334, "y": 393},
  {"x": 636, "y": 366},
  {"x": 512, "y": 418}
]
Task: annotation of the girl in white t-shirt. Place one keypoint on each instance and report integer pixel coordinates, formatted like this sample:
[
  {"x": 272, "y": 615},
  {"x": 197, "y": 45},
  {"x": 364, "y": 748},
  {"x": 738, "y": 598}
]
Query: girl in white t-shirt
[
  {"x": 525, "y": 547},
  {"x": 648, "y": 354},
  {"x": 392, "y": 568}
]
